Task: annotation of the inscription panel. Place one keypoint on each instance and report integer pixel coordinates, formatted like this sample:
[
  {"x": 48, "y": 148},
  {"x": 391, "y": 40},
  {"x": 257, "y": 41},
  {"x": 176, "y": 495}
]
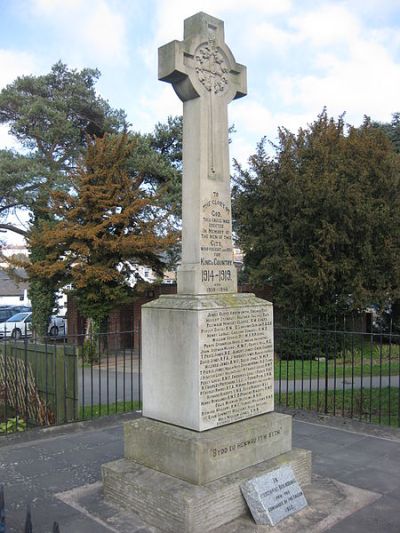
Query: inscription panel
[
  {"x": 273, "y": 496},
  {"x": 236, "y": 364},
  {"x": 218, "y": 272}
]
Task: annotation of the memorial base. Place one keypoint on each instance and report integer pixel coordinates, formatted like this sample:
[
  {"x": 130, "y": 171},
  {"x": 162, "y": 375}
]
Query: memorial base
[
  {"x": 174, "y": 505},
  {"x": 207, "y": 359},
  {"x": 181, "y": 480},
  {"x": 201, "y": 457}
]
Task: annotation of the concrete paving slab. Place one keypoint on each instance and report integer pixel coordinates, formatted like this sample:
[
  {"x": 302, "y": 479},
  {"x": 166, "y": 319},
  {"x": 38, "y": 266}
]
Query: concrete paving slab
[{"x": 39, "y": 464}]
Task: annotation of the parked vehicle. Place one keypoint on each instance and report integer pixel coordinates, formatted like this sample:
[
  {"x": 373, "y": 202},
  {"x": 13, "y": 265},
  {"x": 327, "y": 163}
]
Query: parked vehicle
[
  {"x": 7, "y": 311},
  {"x": 17, "y": 326},
  {"x": 57, "y": 326},
  {"x": 20, "y": 325}
]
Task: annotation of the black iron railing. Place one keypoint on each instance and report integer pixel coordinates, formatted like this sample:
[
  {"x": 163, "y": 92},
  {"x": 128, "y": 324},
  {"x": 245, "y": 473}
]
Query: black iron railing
[
  {"x": 28, "y": 528},
  {"x": 342, "y": 372},
  {"x": 57, "y": 380},
  {"x": 339, "y": 371}
]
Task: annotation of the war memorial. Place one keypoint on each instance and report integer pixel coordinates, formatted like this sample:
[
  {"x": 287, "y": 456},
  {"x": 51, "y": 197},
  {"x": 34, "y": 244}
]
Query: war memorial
[{"x": 208, "y": 423}]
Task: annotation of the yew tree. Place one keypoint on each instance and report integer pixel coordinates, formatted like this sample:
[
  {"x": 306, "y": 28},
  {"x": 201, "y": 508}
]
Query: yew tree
[
  {"x": 320, "y": 217},
  {"x": 51, "y": 116},
  {"x": 103, "y": 229}
]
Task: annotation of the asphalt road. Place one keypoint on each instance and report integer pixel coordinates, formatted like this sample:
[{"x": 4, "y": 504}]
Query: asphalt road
[
  {"x": 96, "y": 386},
  {"x": 99, "y": 387}
]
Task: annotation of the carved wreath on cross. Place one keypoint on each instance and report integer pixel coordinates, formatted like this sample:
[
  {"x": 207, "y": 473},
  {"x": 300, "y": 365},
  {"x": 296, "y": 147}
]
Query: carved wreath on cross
[{"x": 211, "y": 68}]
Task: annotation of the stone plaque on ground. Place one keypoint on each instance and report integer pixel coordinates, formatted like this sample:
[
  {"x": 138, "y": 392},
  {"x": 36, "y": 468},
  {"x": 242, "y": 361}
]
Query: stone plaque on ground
[{"x": 273, "y": 496}]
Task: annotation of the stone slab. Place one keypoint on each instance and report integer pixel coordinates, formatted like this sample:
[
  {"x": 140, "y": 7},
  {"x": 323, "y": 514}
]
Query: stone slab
[
  {"x": 201, "y": 457},
  {"x": 207, "y": 360},
  {"x": 330, "y": 502},
  {"x": 274, "y": 496},
  {"x": 175, "y": 506}
]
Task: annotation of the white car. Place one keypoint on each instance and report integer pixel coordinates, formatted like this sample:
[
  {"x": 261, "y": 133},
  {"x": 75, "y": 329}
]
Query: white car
[
  {"x": 57, "y": 326},
  {"x": 17, "y": 326},
  {"x": 20, "y": 325}
]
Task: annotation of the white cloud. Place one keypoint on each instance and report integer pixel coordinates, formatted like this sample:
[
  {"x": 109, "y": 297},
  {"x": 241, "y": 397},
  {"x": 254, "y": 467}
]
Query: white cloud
[
  {"x": 332, "y": 23},
  {"x": 13, "y": 64},
  {"x": 93, "y": 28},
  {"x": 156, "y": 107},
  {"x": 266, "y": 33},
  {"x": 169, "y": 17},
  {"x": 6, "y": 140},
  {"x": 364, "y": 83},
  {"x": 253, "y": 117}
]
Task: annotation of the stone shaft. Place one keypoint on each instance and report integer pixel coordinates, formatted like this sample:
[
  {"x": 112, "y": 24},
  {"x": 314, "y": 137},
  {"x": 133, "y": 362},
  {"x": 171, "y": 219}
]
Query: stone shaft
[{"x": 206, "y": 78}]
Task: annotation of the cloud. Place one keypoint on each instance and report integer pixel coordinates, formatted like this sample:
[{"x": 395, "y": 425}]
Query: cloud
[
  {"x": 330, "y": 24},
  {"x": 93, "y": 28},
  {"x": 13, "y": 64},
  {"x": 366, "y": 82},
  {"x": 6, "y": 140},
  {"x": 156, "y": 107},
  {"x": 169, "y": 17}
]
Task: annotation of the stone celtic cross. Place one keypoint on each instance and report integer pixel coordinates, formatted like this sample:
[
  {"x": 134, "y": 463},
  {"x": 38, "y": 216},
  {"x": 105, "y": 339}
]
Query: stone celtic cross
[{"x": 206, "y": 77}]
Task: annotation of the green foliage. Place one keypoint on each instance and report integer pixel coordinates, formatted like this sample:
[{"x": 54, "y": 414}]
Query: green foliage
[
  {"x": 305, "y": 344},
  {"x": 90, "y": 353},
  {"x": 159, "y": 158},
  {"x": 52, "y": 116},
  {"x": 110, "y": 224},
  {"x": 94, "y": 411},
  {"x": 321, "y": 219},
  {"x": 392, "y": 130},
  {"x": 13, "y": 425}
]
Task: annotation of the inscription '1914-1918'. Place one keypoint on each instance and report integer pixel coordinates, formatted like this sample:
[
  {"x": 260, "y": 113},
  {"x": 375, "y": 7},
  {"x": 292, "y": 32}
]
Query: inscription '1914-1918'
[{"x": 216, "y": 260}]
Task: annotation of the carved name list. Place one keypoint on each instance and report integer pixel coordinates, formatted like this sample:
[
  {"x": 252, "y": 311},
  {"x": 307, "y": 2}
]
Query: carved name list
[{"x": 236, "y": 364}]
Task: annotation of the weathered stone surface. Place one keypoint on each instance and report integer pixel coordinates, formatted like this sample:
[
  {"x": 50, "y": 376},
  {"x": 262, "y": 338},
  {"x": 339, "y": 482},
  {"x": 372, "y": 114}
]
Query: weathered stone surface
[
  {"x": 176, "y": 506},
  {"x": 201, "y": 457},
  {"x": 273, "y": 496},
  {"x": 207, "y": 360},
  {"x": 206, "y": 77}
]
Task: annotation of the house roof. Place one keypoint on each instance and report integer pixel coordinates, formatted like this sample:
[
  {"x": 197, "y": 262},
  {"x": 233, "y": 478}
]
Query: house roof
[{"x": 9, "y": 287}]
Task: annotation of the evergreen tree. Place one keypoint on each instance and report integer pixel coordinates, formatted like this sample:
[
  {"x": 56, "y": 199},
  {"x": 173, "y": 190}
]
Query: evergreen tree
[
  {"x": 321, "y": 219},
  {"x": 51, "y": 116},
  {"x": 110, "y": 223}
]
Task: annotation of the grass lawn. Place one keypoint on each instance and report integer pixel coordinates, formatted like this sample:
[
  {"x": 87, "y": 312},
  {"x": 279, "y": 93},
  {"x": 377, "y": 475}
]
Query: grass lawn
[
  {"x": 357, "y": 360},
  {"x": 378, "y": 406},
  {"x": 94, "y": 411}
]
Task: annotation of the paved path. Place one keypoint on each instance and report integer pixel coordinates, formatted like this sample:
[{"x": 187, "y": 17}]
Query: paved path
[
  {"x": 338, "y": 384},
  {"x": 63, "y": 458},
  {"x": 98, "y": 385}
]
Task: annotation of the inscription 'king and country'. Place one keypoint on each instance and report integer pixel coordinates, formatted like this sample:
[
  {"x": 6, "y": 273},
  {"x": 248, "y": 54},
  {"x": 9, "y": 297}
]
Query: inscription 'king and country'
[
  {"x": 208, "y": 350},
  {"x": 206, "y": 77}
]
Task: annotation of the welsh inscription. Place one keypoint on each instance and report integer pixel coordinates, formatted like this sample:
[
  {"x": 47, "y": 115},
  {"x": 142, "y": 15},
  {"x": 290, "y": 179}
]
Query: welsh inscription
[
  {"x": 224, "y": 450},
  {"x": 236, "y": 364}
]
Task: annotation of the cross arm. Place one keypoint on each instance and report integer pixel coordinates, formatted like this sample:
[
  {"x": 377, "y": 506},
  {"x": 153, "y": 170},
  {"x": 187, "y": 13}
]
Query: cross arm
[
  {"x": 240, "y": 80},
  {"x": 171, "y": 69}
]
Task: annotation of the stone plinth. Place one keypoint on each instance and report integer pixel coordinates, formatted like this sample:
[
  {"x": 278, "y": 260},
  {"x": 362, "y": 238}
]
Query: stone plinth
[
  {"x": 203, "y": 457},
  {"x": 174, "y": 505},
  {"x": 207, "y": 360}
]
